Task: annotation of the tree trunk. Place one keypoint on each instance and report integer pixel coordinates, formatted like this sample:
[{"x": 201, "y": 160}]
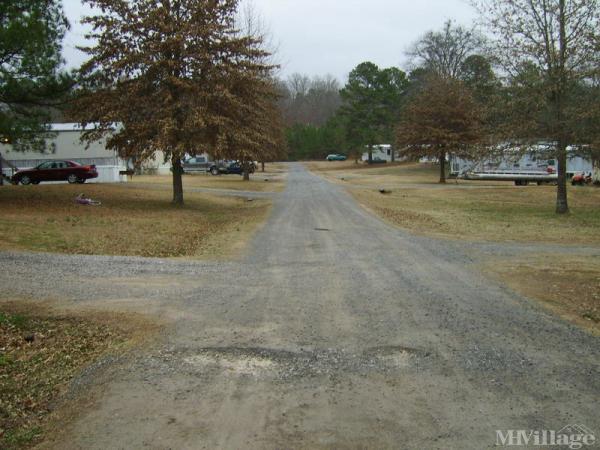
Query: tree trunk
[
  {"x": 370, "y": 154},
  {"x": 177, "y": 181},
  {"x": 442, "y": 158},
  {"x": 1, "y": 172},
  {"x": 262, "y": 164},
  {"x": 392, "y": 154},
  {"x": 246, "y": 170},
  {"x": 562, "y": 206}
]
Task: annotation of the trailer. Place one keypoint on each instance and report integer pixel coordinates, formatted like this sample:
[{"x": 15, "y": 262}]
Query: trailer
[
  {"x": 533, "y": 164},
  {"x": 381, "y": 153},
  {"x": 520, "y": 178}
]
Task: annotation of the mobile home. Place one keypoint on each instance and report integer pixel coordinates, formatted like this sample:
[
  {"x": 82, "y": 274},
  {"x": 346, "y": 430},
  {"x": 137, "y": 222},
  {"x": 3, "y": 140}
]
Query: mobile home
[
  {"x": 382, "y": 152},
  {"x": 513, "y": 164},
  {"x": 65, "y": 144}
]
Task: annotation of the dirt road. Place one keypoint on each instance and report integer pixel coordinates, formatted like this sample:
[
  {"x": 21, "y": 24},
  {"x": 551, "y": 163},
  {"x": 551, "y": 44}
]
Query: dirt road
[{"x": 336, "y": 331}]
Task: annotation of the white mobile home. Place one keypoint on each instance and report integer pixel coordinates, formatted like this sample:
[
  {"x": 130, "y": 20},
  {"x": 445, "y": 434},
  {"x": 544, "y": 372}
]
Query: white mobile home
[
  {"x": 65, "y": 145},
  {"x": 537, "y": 161},
  {"x": 382, "y": 152}
]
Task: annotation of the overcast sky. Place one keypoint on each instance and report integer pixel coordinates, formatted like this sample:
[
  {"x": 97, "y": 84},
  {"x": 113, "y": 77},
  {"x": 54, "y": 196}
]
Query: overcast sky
[{"x": 318, "y": 37}]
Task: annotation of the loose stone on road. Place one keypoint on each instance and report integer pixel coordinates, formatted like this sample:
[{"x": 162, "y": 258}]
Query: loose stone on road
[{"x": 334, "y": 331}]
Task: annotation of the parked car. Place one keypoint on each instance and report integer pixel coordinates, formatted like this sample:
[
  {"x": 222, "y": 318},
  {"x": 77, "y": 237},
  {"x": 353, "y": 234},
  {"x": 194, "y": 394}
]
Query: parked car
[
  {"x": 336, "y": 157},
  {"x": 196, "y": 164},
  {"x": 56, "y": 171},
  {"x": 230, "y": 167}
]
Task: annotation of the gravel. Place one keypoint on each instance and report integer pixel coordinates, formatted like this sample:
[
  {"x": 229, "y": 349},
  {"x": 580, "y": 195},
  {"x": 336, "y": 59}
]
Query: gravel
[{"x": 335, "y": 330}]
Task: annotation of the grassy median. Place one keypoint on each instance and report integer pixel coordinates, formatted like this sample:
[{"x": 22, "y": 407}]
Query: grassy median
[{"x": 131, "y": 221}]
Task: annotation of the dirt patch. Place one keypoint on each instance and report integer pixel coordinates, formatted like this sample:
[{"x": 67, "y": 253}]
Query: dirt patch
[
  {"x": 243, "y": 365},
  {"x": 132, "y": 221},
  {"x": 42, "y": 351},
  {"x": 568, "y": 286},
  {"x": 285, "y": 364}
]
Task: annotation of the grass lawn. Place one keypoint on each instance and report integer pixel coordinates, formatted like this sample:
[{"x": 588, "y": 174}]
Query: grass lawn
[
  {"x": 566, "y": 285},
  {"x": 41, "y": 353},
  {"x": 475, "y": 210},
  {"x": 132, "y": 220},
  {"x": 271, "y": 180}
]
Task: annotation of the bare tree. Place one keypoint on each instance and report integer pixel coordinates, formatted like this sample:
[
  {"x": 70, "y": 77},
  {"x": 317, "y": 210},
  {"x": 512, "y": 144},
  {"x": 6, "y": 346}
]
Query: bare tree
[
  {"x": 310, "y": 101},
  {"x": 444, "y": 52},
  {"x": 251, "y": 23},
  {"x": 299, "y": 84},
  {"x": 558, "y": 40}
]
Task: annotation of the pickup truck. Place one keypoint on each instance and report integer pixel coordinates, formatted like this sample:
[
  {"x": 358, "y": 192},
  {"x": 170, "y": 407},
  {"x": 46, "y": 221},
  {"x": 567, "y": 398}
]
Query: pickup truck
[
  {"x": 229, "y": 167},
  {"x": 201, "y": 164},
  {"x": 196, "y": 164}
]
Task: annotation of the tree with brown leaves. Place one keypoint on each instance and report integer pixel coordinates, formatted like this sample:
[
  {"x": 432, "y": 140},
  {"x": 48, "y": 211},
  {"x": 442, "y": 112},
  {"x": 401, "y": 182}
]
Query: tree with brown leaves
[
  {"x": 441, "y": 119},
  {"x": 177, "y": 76}
]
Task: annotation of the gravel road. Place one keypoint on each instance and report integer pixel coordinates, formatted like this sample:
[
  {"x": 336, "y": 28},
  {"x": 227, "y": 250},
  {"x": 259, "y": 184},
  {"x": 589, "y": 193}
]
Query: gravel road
[{"x": 335, "y": 331}]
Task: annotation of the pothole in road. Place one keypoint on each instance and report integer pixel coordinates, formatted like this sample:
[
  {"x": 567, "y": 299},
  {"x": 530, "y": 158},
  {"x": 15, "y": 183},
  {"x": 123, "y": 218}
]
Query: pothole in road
[
  {"x": 282, "y": 364},
  {"x": 241, "y": 366},
  {"x": 393, "y": 356}
]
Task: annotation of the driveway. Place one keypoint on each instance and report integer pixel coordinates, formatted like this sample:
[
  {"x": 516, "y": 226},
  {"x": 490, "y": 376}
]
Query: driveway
[{"x": 335, "y": 331}]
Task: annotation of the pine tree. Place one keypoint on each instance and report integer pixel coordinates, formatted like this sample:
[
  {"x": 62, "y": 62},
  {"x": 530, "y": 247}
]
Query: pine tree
[
  {"x": 372, "y": 100},
  {"x": 31, "y": 80}
]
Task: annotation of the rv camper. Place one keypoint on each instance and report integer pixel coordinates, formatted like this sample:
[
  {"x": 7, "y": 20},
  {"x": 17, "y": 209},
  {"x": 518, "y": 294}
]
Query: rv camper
[
  {"x": 382, "y": 152},
  {"x": 522, "y": 167}
]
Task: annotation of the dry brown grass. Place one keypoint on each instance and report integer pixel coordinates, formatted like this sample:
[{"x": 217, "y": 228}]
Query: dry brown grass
[
  {"x": 323, "y": 166},
  {"x": 569, "y": 286},
  {"x": 272, "y": 180},
  {"x": 524, "y": 214},
  {"x": 474, "y": 210},
  {"x": 389, "y": 174},
  {"x": 131, "y": 221},
  {"x": 42, "y": 351}
]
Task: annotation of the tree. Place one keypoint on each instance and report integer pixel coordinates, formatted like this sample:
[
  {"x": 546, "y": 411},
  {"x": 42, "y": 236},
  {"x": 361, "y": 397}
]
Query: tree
[
  {"x": 445, "y": 52},
  {"x": 372, "y": 99},
  {"x": 309, "y": 100},
  {"x": 478, "y": 75},
  {"x": 442, "y": 119},
  {"x": 31, "y": 80},
  {"x": 313, "y": 142},
  {"x": 555, "y": 41},
  {"x": 253, "y": 130},
  {"x": 178, "y": 77}
]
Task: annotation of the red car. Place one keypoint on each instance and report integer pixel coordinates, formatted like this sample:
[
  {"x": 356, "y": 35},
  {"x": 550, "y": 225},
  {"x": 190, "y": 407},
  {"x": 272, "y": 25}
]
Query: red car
[{"x": 56, "y": 171}]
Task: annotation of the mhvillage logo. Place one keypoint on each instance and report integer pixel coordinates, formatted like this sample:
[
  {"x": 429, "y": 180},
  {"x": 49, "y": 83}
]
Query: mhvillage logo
[{"x": 571, "y": 436}]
